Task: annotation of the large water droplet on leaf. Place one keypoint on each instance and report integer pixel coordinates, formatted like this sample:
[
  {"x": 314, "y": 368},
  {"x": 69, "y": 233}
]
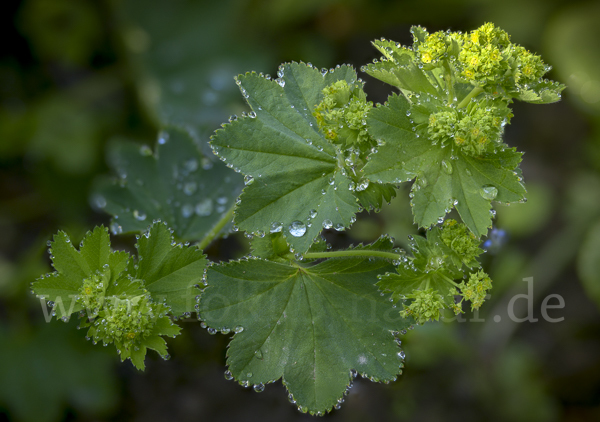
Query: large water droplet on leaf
[
  {"x": 297, "y": 228},
  {"x": 489, "y": 192}
]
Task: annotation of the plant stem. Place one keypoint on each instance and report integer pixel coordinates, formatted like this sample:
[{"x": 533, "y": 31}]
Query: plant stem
[
  {"x": 449, "y": 85},
  {"x": 475, "y": 92},
  {"x": 210, "y": 236},
  {"x": 353, "y": 253}
]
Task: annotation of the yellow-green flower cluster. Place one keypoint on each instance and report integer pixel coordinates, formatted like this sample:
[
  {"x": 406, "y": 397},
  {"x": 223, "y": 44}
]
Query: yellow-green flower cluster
[
  {"x": 476, "y": 288},
  {"x": 342, "y": 113},
  {"x": 92, "y": 291},
  {"x": 125, "y": 321},
  {"x": 480, "y": 131},
  {"x": 434, "y": 47},
  {"x": 487, "y": 56},
  {"x": 425, "y": 305},
  {"x": 460, "y": 239},
  {"x": 476, "y": 131},
  {"x": 441, "y": 125},
  {"x": 530, "y": 67},
  {"x": 483, "y": 54}
]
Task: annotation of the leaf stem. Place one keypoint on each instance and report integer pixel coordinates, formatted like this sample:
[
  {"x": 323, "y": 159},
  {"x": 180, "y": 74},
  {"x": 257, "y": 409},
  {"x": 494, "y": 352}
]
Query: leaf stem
[
  {"x": 449, "y": 85},
  {"x": 475, "y": 92},
  {"x": 212, "y": 234},
  {"x": 353, "y": 253}
]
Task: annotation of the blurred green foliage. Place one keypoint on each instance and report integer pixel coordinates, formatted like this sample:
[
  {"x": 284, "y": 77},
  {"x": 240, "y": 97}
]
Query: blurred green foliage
[{"x": 73, "y": 75}]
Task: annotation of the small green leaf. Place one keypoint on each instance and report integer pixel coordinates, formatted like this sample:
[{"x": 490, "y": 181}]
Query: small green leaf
[
  {"x": 176, "y": 184},
  {"x": 544, "y": 92},
  {"x": 294, "y": 169},
  {"x": 169, "y": 271},
  {"x": 398, "y": 68},
  {"x": 310, "y": 326},
  {"x": 63, "y": 287},
  {"x": 271, "y": 246}
]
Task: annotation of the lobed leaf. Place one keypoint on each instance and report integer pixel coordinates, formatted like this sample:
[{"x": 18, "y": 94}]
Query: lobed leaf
[
  {"x": 176, "y": 184},
  {"x": 294, "y": 169},
  {"x": 310, "y": 326},
  {"x": 445, "y": 177},
  {"x": 170, "y": 272}
]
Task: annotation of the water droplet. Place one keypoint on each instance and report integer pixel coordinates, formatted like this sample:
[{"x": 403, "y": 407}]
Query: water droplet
[
  {"x": 252, "y": 115},
  {"x": 297, "y": 228},
  {"x": 401, "y": 354},
  {"x": 163, "y": 137},
  {"x": 447, "y": 167},
  {"x": 211, "y": 331},
  {"x": 99, "y": 201},
  {"x": 228, "y": 375},
  {"x": 206, "y": 163},
  {"x": 189, "y": 188},
  {"x": 204, "y": 208},
  {"x": 312, "y": 213},
  {"x": 115, "y": 228},
  {"x": 259, "y": 355},
  {"x": 187, "y": 210},
  {"x": 489, "y": 192},
  {"x": 327, "y": 224},
  {"x": 145, "y": 150},
  {"x": 139, "y": 215},
  {"x": 191, "y": 165},
  {"x": 259, "y": 388},
  {"x": 238, "y": 329},
  {"x": 276, "y": 227},
  {"x": 422, "y": 181}
]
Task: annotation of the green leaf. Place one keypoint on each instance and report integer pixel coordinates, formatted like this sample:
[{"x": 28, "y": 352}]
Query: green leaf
[
  {"x": 375, "y": 194},
  {"x": 271, "y": 246},
  {"x": 72, "y": 267},
  {"x": 310, "y": 326},
  {"x": 176, "y": 184},
  {"x": 398, "y": 69},
  {"x": 293, "y": 168},
  {"x": 544, "y": 92},
  {"x": 445, "y": 178},
  {"x": 169, "y": 271}
]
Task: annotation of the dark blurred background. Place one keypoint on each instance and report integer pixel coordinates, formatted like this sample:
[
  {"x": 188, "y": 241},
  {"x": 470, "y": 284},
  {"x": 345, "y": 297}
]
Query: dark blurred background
[{"x": 75, "y": 74}]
